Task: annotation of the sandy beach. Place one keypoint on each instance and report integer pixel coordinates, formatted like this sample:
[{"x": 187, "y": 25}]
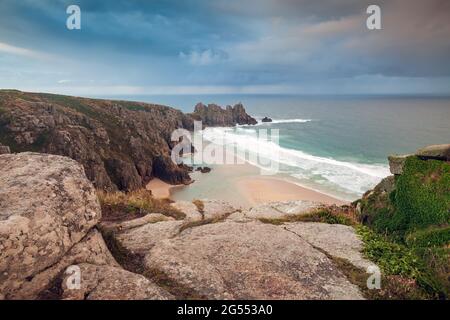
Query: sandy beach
[
  {"x": 160, "y": 189},
  {"x": 240, "y": 185},
  {"x": 265, "y": 189}
]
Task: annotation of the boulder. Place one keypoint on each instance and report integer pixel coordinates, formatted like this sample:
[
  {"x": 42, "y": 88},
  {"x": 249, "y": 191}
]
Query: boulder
[
  {"x": 189, "y": 209},
  {"x": 210, "y": 209},
  {"x": 386, "y": 185},
  {"x": 230, "y": 260},
  {"x": 203, "y": 169},
  {"x": 47, "y": 205},
  {"x": 141, "y": 239},
  {"x": 111, "y": 283},
  {"x": 4, "y": 149},
  {"x": 266, "y": 119},
  {"x": 216, "y": 209},
  {"x": 436, "y": 152},
  {"x": 91, "y": 249},
  {"x": 396, "y": 163}
]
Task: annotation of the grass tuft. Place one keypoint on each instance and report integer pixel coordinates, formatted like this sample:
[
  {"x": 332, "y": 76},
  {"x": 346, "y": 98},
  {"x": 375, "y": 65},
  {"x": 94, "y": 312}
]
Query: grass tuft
[
  {"x": 121, "y": 206},
  {"x": 321, "y": 215}
]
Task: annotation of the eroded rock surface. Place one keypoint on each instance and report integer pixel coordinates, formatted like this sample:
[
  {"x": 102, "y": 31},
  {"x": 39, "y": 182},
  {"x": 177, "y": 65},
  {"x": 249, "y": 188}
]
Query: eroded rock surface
[
  {"x": 189, "y": 209},
  {"x": 91, "y": 249},
  {"x": 210, "y": 209},
  {"x": 46, "y": 206},
  {"x": 335, "y": 239},
  {"x": 130, "y": 224},
  {"x": 230, "y": 260},
  {"x": 276, "y": 210},
  {"x": 213, "y": 115},
  {"x": 112, "y": 283},
  {"x": 48, "y": 216},
  {"x": 121, "y": 144},
  {"x": 436, "y": 152},
  {"x": 140, "y": 240},
  {"x": 49, "y": 221}
]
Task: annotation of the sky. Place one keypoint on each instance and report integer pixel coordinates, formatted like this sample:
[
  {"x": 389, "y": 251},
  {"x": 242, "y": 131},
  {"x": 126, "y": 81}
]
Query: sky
[{"x": 128, "y": 47}]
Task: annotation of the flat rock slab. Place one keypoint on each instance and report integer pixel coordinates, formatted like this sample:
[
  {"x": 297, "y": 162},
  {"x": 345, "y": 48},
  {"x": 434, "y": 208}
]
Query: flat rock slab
[
  {"x": 111, "y": 283},
  {"x": 335, "y": 239},
  {"x": 189, "y": 209},
  {"x": 276, "y": 210},
  {"x": 212, "y": 209},
  {"x": 230, "y": 260},
  {"x": 130, "y": 224},
  {"x": 141, "y": 239},
  {"x": 438, "y": 152},
  {"x": 216, "y": 209}
]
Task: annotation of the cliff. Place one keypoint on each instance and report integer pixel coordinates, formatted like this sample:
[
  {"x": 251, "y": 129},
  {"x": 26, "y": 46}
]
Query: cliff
[
  {"x": 122, "y": 145},
  {"x": 213, "y": 115}
]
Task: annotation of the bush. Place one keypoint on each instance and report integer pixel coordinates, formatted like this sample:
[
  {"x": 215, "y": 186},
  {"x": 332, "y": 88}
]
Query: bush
[
  {"x": 322, "y": 215},
  {"x": 422, "y": 195},
  {"x": 427, "y": 267},
  {"x": 430, "y": 237},
  {"x": 393, "y": 258},
  {"x": 421, "y": 199}
]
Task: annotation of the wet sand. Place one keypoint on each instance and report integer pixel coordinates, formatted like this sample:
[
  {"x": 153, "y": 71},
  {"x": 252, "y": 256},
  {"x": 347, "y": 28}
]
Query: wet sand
[
  {"x": 266, "y": 189},
  {"x": 159, "y": 188},
  {"x": 240, "y": 185}
]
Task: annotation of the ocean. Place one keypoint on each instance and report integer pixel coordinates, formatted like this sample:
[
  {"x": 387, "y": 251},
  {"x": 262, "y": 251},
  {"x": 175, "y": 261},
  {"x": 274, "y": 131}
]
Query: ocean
[{"x": 337, "y": 145}]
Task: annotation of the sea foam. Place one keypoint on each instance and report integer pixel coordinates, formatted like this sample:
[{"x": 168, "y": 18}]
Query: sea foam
[{"x": 350, "y": 178}]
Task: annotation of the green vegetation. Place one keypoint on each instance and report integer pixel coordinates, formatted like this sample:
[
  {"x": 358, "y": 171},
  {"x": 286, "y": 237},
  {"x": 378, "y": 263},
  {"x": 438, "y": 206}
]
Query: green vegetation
[
  {"x": 421, "y": 199},
  {"x": 422, "y": 194},
  {"x": 390, "y": 256},
  {"x": 73, "y": 103},
  {"x": 430, "y": 237},
  {"x": 427, "y": 267},
  {"x": 409, "y": 233},
  {"x": 322, "y": 215}
]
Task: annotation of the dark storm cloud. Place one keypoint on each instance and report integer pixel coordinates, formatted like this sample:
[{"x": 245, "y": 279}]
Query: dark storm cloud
[{"x": 290, "y": 44}]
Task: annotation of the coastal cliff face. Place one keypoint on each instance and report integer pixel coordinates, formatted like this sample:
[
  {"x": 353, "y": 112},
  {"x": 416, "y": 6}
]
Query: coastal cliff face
[
  {"x": 121, "y": 144},
  {"x": 213, "y": 115}
]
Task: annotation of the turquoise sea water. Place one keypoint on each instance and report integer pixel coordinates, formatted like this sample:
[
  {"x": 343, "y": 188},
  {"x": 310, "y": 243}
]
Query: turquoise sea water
[{"x": 335, "y": 144}]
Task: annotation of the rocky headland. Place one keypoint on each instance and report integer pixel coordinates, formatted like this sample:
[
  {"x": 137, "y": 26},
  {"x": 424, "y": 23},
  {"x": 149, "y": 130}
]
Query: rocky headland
[
  {"x": 122, "y": 145},
  {"x": 213, "y": 115}
]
